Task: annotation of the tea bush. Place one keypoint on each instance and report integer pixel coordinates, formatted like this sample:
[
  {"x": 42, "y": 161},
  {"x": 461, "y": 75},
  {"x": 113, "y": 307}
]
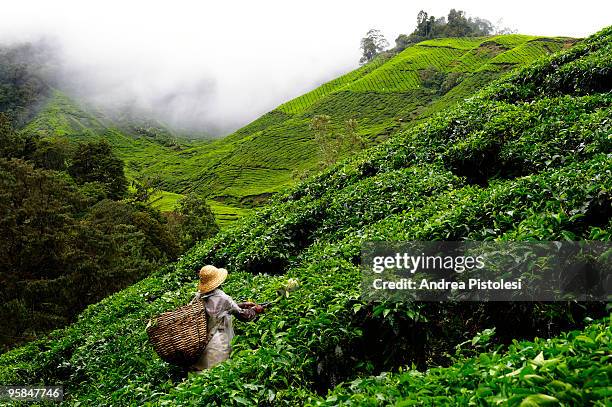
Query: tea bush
[{"x": 572, "y": 369}]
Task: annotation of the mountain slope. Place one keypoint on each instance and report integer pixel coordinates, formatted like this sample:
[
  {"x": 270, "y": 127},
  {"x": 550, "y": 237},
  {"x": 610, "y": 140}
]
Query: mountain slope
[
  {"x": 545, "y": 133},
  {"x": 384, "y": 96},
  {"x": 137, "y": 143},
  {"x": 141, "y": 144}
]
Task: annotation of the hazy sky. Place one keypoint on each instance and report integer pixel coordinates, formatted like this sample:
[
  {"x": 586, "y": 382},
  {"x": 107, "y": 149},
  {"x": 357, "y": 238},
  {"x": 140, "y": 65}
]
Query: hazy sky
[{"x": 221, "y": 64}]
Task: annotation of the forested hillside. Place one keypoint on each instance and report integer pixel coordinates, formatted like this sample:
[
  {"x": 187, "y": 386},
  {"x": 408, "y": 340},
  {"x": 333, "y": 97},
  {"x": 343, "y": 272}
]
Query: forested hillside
[
  {"x": 31, "y": 99},
  {"x": 527, "y": 158},
  {"x": 72, "y": 230}
]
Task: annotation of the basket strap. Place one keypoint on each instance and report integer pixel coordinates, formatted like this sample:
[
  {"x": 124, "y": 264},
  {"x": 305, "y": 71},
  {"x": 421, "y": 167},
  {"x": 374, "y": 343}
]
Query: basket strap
[
  {"x": 200, "y": 297},
  {"x": 215, "y": 322}
]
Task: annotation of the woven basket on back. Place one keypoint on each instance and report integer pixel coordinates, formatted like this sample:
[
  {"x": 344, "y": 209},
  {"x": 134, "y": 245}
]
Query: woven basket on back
[{"x": 180, "y": 336}]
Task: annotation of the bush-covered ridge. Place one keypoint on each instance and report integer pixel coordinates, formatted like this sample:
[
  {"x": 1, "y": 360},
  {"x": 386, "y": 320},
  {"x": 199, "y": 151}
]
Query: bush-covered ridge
[
  {"x": 548, "y": 176},
  {"x": 401, "y": 72}
]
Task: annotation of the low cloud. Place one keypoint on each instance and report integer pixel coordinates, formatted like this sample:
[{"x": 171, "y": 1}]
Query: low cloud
[{"x": 213, "y": 67}]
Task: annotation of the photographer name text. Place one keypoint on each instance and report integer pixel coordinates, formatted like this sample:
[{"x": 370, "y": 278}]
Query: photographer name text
[{"x": 443, "y": 284}]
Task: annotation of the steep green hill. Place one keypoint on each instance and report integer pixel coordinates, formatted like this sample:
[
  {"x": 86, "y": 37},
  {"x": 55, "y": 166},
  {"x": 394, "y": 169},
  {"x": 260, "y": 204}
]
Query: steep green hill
[
  {"x": 140, "y": 144},
  {"x": 137, "y": 143},
  {"x": 384, "y": 96},
  {"x": 529, "y": 157}
]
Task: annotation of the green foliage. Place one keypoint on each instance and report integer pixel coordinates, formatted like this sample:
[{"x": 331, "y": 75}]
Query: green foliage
[
  {"x": 548, "y": 177},
  {"x": 372, "y": 45},
  {"x": 195, "y": 219},
  {"x": 145, "y": 189},
  {"x": 352, "y": 140},
  {"x": 52, "y": 153},
  {"x": 57, "y": 255},
  {"x": 226, "y": 215},
  {"x": 121, "y": 220},
  {"x": 455, "y": 25},
  {"x": 572, "y": 369},
  {"x": 96, "y": 162},
  {"x": 332, "y": 145},
  {"x": 64, "y": 246},
  {"x": 329, "y": 146},
  {"x": 585, "y": 69},
  {"x": 11, "y": 144}
]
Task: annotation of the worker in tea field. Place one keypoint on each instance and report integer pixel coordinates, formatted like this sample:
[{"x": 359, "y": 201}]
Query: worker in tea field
[{"x": 220, "y": 308}]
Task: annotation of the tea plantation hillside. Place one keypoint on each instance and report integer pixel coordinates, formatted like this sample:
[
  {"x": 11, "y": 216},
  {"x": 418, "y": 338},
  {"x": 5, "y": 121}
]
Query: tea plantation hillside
[
  {"x": 527, "y": 158},
  {"x": 572, "y": 369},
  {"x": 389, "y": 93}
]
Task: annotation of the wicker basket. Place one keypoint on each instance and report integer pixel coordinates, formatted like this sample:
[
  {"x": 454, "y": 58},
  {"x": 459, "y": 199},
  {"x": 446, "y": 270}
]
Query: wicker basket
[{"x": 180, "y": 336}]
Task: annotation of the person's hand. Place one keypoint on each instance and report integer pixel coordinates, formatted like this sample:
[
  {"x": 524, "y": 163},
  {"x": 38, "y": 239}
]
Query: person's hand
[
  {"x": 247, "y": 304},
  {"x": 259, "y": 309}
]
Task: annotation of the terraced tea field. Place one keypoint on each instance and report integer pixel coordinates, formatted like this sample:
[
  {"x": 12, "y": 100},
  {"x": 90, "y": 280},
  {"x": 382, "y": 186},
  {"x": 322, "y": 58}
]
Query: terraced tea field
[{"x": 384, "y": 96}]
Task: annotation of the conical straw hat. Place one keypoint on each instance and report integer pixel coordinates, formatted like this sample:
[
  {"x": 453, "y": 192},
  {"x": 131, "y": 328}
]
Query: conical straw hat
[{"x": 211, "y": 277}]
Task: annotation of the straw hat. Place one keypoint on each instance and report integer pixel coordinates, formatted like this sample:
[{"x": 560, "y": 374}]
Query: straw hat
[{"x": 211, "y": 278}]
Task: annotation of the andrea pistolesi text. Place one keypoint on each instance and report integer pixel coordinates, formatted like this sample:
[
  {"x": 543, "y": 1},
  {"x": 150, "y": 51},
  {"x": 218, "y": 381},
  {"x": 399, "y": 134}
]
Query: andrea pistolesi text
[{"x": 425, "y": 284}]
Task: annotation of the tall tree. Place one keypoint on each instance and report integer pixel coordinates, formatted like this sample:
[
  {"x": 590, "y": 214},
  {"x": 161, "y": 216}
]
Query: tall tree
[
  {"x": 371, "y": 45},
  {"x": 197, "y": 220},
  {"x": 329, "y": 146},
  {"x": 95, "y": 162},
  {"x": 457, "y": 24},
  {"x": 423, "y": 24},
  {"x": 51, "y": 153},
  {"x": 11, "y": 144}
]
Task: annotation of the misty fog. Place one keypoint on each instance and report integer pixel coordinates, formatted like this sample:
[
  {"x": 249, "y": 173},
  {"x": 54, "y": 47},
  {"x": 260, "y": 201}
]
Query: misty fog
[{"x": 215, "y": 67}]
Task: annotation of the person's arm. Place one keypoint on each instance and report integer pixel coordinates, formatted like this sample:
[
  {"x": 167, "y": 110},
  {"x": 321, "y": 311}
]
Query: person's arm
[{"x": 246, "y": 311}]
